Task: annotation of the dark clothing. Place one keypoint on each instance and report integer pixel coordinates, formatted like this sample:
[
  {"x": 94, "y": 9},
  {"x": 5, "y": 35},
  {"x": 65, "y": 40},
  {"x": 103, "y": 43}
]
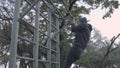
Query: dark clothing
[
  {"x": 82, "y": 36},
  {"x": 73, "y": 55}
]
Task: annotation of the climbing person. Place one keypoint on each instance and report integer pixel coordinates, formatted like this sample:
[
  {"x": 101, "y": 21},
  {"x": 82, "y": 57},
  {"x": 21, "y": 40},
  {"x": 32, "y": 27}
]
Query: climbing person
[{"x": 82, "y": 35}]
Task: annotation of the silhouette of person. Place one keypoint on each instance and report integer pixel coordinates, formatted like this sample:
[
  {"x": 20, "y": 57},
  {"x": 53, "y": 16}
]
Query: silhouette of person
[{"x": 82, "y": 35}]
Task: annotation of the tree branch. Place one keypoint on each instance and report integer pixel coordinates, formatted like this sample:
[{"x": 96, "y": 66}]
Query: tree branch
[
  {"x": 109, "y": 50},
  {"x": 70, "y": 8}
]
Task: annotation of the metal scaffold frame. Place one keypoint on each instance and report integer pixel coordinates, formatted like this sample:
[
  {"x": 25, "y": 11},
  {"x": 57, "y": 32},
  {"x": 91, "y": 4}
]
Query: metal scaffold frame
[{"x": 50, "y": 36}]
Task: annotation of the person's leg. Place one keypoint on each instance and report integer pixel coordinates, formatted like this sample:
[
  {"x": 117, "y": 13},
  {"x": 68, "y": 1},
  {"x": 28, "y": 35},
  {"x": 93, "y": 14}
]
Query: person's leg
[
  {"x": 69, "y": 59},
  {"x": 73, "y": 55}
]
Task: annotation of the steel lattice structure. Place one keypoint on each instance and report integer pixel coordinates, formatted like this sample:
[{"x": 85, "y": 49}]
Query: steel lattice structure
[{"x": 44, "y": 22}]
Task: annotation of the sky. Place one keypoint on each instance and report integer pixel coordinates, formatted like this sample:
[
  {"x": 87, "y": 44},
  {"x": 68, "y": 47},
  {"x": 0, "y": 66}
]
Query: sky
[{"x": 110, "y": 26}]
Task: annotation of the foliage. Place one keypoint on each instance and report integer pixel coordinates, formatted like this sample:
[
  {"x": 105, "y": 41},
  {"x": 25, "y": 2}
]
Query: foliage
[
  {"x": 91, "y": 57},
  {"x": 97, "y": 55}
]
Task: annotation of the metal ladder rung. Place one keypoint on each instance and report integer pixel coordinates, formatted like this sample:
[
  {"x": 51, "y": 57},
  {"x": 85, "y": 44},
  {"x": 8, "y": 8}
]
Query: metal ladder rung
[
  {"x": 43, "y": 33},
  {"x": 55, "y": 8},
  {"x": 55, "y": 62},
  {"x": 44, "y": 47},
  {"x": 49, "y": 49},
  {"x": 24, "y": 22},
  {"x": 26, "y": 39},
  {"x": 26, "y": 58},
  {"x": 54, "y": 51},
  {"x": 54, "y": 40},
  {"x": 54, "y": 26},
  {"x": 30, "y": 5},
  {"x": 44, "y": 16},
  {"x": 43, "y": 61}
]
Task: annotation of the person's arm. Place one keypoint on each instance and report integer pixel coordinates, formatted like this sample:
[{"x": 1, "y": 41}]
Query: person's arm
[
  {"x": 90, "y": 27},
  {"x": 75, "y": 28}
]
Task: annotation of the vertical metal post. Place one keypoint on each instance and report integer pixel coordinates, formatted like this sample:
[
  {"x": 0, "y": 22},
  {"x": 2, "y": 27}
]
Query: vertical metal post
[
  {"x": 57, "y": 46},
  {"x": 14, "y": 35},
  {"x": 36, "y": 38},
  {"x": 49, "y": 38}
]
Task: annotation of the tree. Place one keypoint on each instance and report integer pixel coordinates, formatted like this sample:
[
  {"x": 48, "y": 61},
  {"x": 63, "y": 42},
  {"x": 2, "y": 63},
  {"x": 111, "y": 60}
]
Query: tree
[
  {"x": 6, "y": 13},
  {"x": 76, "y": 10},
  {"x": 111, "y": 47},
  {"x": 100, "y": 52},
  {"x": 5, "y": 27},
  {"x": 90, "y": 57}
]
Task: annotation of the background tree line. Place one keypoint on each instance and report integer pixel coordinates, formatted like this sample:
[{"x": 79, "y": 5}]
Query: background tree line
[{"x": 100, "y": 53}]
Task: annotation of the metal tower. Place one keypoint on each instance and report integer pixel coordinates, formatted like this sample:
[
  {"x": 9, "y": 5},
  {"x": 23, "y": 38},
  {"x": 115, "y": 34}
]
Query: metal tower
[{"x": 41, "y": 20}]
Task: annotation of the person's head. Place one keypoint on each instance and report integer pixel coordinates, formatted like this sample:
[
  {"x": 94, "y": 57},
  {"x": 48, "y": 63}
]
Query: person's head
[{"x": 83, "y": 20}]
